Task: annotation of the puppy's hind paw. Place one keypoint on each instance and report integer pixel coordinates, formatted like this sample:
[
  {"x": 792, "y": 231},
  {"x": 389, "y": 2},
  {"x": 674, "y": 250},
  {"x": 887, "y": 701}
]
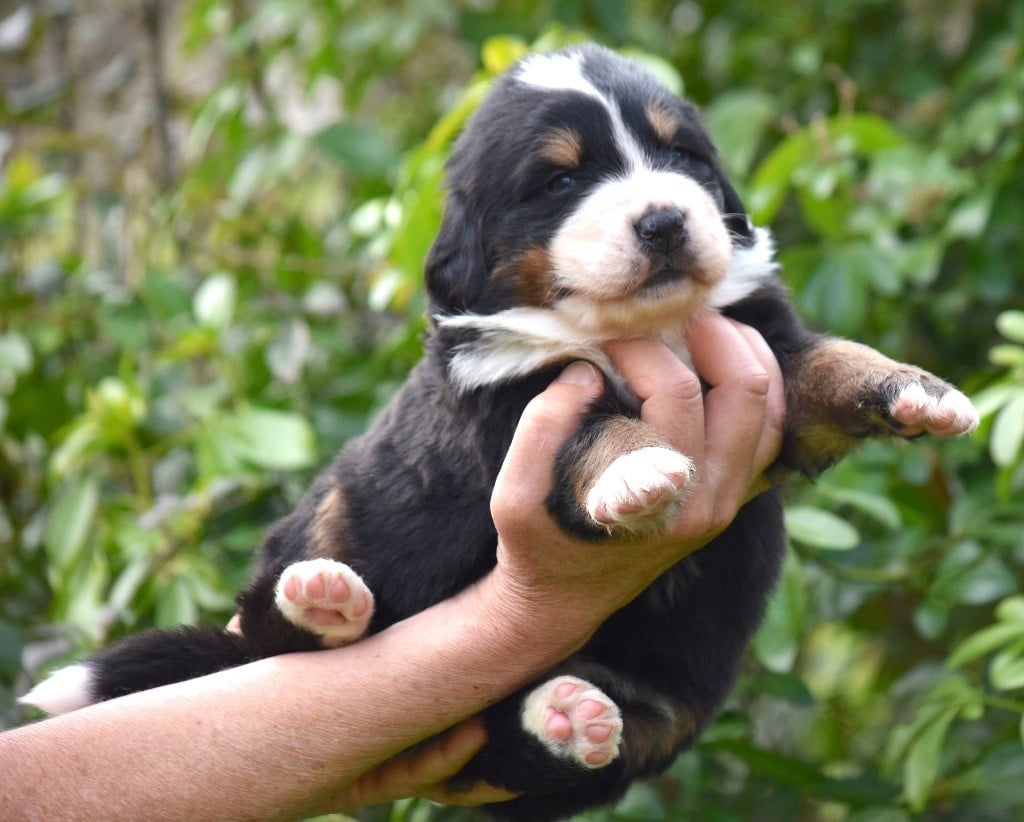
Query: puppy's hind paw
[
  {"x": 640, "y": 490},
  {"x": 574, "y": 720},
  {"x": 327, "y": 598}
]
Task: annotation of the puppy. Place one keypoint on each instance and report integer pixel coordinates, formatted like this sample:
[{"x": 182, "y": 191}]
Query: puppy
[{"x": 586, "y": 202}]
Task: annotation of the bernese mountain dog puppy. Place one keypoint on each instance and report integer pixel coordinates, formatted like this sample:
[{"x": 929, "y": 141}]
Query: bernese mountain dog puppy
[{"x": 585, "y": 203}]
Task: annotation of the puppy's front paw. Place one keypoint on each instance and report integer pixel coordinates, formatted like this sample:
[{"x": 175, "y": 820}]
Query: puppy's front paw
[
  {"x": 574, "y": 720},
  {"x": 936, "y": 409},
  {"x": 640, "y": 490},
  {"x": 327, "y": 598}
]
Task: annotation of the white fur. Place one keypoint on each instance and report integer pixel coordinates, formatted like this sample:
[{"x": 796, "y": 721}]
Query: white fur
[
  {"x": 353, "y": 626},
  {"x": 520, "y": 341},
  {"x": 965, "y": 418},
  {"x": 557, "y": 72},
  {"x": 516, "y": 342},
  {"x": 952, "y": 414},
  {"x": 750, "y": 269},
  {"x": 66, "y": 689},
  {"x": 596, "y": 252},
  {"x": 650, "y": 480},
  {"x": 564, "y": 72}
]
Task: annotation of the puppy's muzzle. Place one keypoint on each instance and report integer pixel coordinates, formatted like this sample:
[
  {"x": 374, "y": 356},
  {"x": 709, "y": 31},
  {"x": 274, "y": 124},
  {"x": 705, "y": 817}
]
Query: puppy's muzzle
[{"x": 662, "y": 230}]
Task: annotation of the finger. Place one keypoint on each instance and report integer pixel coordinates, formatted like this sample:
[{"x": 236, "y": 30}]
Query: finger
[
  {"x": 734, "y": 408},
  {"x": 546, "y": 424},
  {"x": 444, "y": 760},
  {"x": 775, "y": 405},
  {"x": 415, "y": 772},
  {"x": 480, "y": 794},
  {"x": 670, "y": 392}
]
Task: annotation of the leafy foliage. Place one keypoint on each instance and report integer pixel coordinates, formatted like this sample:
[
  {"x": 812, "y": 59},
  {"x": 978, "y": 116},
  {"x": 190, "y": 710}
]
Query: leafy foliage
[{"x": 187, "y": 330}]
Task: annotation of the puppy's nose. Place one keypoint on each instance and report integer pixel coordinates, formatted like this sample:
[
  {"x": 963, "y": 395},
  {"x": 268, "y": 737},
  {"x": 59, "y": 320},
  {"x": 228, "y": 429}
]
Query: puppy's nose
[{"x": 662, "y": 229}]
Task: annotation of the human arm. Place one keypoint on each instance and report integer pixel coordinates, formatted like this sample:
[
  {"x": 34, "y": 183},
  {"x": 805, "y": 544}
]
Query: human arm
[{"x": 297, "y": 734}]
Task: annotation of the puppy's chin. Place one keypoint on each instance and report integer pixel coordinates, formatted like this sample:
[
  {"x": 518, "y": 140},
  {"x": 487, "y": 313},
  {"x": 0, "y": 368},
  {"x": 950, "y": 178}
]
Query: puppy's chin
[{"x": 660, "y": 308}]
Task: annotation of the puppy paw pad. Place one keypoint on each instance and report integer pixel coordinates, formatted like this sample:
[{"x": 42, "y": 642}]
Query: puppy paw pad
[
  {"x": 574, "y": 720},
  {"x": 326, "y": 597},
  {"x": 949, "y": 414},
  {"x": 640, "y": 488}
]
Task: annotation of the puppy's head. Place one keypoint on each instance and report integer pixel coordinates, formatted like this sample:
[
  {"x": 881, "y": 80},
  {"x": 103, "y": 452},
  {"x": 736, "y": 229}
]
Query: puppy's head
[{"x": 582, "y": 185}]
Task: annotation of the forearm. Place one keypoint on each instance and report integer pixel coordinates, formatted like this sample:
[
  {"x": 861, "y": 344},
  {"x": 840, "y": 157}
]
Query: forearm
[{"x": 241, "y": 744}]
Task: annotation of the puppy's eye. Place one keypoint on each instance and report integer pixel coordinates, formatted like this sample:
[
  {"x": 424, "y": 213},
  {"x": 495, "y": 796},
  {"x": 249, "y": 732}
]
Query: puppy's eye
[
  {"x": 561, "y": 183},
  {"x": 696, "y": 166}
]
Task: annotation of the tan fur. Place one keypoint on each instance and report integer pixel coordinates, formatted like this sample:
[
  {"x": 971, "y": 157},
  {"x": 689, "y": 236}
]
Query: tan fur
[
  {"x": 327, "y": 526},
  {"x": 562, "y": 147},
  {"x": 664, "y": 121},
  {"x": 835, "y": 397},
  {"x": 533, "y": 277},
  {"x": 619, "y": 435},
  {"x": 647, "y": 739}
]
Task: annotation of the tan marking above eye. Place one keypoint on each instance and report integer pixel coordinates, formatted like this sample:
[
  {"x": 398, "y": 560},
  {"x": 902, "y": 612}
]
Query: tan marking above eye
[
  {"x": 562, "y": 147},
  {"x": 663, "y": 120}
]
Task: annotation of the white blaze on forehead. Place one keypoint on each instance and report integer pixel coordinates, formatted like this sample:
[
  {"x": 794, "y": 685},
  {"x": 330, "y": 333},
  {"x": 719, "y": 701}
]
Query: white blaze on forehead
[
  {"x": 557, "y": 72},
  {"x": 564, "y": 72}
]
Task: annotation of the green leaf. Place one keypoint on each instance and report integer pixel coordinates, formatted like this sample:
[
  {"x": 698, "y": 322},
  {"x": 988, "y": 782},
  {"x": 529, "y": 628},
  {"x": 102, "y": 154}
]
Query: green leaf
[
  {"x": 70, "y": 521},
  {"x": 12, "y": 641},
  {"x": 1007, "y": 355},
  {"x": 984, "y": 642},
  {"x": 1011, "y": 610},
  {"x": 738, "y": 121},
  {"x": 175, "y": 606},
  {"x": 500, "y": 52},
  {"x": 772, "y": 178},
  {"x": 366, "y": 151},
  {"x": 640, "y": 804},
  {"x": 276, "y": 440},
  {"x": 86, "y": 588},
  {"x": 784, "y": 686},
  {"x": 877, "y": 506},
  {"x": 820, "y": 529},
  {"x": 836, "y": 295},
  {"x": 214, "y": 301},
  {"x": 1011, "y": 325},
  {"x": 777, "y": 640},
  {"x": 1008, "y": 433},
  {"x": 991, "y": 399},
  {"x": 1007, "y": 669},
  {"x": 15, "y": 356},
  {"x": 986, "y": 581},
  {"x": 931, "y": 618},
  {"x": 922, "y": 759}
]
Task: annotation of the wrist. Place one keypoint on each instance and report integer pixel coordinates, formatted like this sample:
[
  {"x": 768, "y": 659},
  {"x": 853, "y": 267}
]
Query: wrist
[{"x": 537, "y": 618}]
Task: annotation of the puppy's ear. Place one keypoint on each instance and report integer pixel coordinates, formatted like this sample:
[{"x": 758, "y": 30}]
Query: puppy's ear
[
  {"x": 736, "y": 219},
  {"x": 455, "y": 269}
]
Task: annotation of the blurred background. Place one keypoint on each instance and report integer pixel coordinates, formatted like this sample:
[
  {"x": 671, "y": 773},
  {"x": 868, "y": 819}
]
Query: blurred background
[{"x": 213, "y": 216}]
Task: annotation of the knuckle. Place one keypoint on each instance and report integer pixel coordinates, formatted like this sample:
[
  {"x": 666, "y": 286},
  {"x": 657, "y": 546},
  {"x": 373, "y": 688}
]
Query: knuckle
[
  {"x": 755, "y": 381},
  {"x": 721, "y": 516}
]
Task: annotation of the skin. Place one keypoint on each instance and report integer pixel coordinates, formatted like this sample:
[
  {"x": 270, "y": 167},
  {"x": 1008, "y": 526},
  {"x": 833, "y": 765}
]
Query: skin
[{"x": 304, "y": 734}]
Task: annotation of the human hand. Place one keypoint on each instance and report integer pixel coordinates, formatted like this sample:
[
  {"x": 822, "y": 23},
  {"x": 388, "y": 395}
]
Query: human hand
[
  {"x": 732, "y": 434},
  {"x": 423, "y": 771}
]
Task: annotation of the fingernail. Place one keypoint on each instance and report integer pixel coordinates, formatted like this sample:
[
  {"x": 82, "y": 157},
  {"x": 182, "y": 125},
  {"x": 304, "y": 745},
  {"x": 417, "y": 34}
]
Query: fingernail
[{"x": 580, "y": 373}]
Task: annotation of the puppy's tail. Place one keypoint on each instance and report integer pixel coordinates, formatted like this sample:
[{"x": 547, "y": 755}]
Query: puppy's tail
[{"x": 146, "y": 660}]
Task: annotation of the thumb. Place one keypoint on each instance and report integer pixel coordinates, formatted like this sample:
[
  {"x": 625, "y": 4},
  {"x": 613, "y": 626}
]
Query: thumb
[{"x": 547, "y": 423}]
